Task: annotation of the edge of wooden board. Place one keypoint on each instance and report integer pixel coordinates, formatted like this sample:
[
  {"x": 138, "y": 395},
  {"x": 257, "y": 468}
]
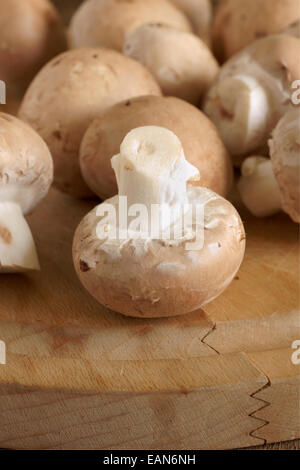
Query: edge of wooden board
[{"x": 219, "y": 402}]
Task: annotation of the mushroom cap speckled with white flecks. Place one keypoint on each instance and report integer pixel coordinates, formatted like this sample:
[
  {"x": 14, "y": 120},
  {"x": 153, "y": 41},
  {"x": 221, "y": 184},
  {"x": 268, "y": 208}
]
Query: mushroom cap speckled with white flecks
[
  {"x": 105, "y": 23},
  {"x": 151, "y": 278},
  {"x": 26, "y": 167},
  {"x": 69, "y": 92},
  {"x": 201, "y": 142}
]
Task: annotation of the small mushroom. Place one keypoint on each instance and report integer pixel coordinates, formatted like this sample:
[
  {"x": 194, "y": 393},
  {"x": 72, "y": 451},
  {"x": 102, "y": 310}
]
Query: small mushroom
[
  {"x": 26, "y": 172},
  {"x": 106, "y": 23},
  {"x": 238, "y": 23},
  {"x": 270, "y": 185},
  {"x": 202, "y": 145},
  {"x": 200, "y": 14},
  {"x": 252, "y": 92},
  {"x": 182, "y": 63},
  {"x": 159, "y": 266},
  {"x": 68, "y": 93},
  {"x": 31, "y": 33}
]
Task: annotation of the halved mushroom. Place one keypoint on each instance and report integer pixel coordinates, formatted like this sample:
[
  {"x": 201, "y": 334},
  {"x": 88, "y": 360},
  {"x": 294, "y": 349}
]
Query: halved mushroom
[
  {"x": 176, "y": 248},
  {"x": 31, "y": 33},
  {"x": 69, "y": 92},
  {"x": 202, "y": 144},
  {"x": 26, "y": 172},
  {"x": 182, "y": 63},
  {"x": 106, "y": 23},
  {"x": 270, "y": 185},
  {"x": 252, "y": 92}
]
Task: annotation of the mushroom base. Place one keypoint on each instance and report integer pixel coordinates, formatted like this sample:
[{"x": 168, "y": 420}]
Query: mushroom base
[{"x": 17, "y": 248}]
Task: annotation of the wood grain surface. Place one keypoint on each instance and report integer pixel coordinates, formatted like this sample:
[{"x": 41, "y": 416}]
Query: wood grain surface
[{"x": 77, "y": 374}]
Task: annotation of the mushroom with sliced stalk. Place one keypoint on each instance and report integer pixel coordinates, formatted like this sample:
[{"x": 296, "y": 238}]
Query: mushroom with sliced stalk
[
  {"x": 68, "y": 93},
  {"x": 181, "y": 251},
  {"x": 182, "y": 63},
  {"x": 238, "y": 23},
  {"x": 270, "y": 185},
  {"x": 26, "y": 172},
  {"x": 201, "y": 142},
  {"x": 252, "y": 92},
  {"x": 106, "y": 23}
]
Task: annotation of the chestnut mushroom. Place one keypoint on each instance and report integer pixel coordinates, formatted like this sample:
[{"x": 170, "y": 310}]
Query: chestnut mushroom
[
  {"x": 252, "y": 92},
  {"x": 238, "y": 23},
  {"x": 270, "y": 185},
  {"x": 26, "y": 173},
  {"x": 31, "y": 33},
  {"x": 68, "y": 93},
  {"x": 202, "y": 145},
  {"x": 182, "y": 63},
  {"x": 106, "y": 23},
  {"x": 158, "y": 266}
]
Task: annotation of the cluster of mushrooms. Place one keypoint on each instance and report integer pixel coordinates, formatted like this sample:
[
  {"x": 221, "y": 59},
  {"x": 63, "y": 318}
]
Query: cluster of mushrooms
[{"x": 158, "y": 101}]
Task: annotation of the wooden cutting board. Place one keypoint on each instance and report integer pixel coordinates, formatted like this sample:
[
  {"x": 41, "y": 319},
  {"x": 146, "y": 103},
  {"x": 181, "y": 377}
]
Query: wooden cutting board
[{"x": 80, "y": 376}]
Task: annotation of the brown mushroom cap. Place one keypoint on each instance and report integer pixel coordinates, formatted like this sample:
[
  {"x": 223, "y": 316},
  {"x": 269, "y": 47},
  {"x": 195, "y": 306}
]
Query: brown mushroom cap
[
  {"x": 200, "y": 14},
  {"x": 151, "y": 278},
  {"x": 31, "y": 33},
  {"x": 273, "y": 63},
  {"x": 293, "y": 29},
  {"x": 69, "y": 92},
  {"x": 285, "y": 156},
  {"x": 26, "y": 167},
  {"x": 202, "y": 145},
  {"x": 238, "y": 23},
  {"x": 105, "y": 23},
  {"x": 182, "y": 63}
]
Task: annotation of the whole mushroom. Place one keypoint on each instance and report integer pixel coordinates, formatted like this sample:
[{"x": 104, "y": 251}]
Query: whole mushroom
[
  {"x": 238, "y": 23},
  {"x": 200, "y": 14},
  {"x": 182, "y": 63},
  {"x": 158, "y": 266},
  {"x": 31, "y": 33},
  {"x": 26, "y": 173},
  {"x": 202, "y": 145},
  {"x": 68, "y": 93},
  {"x": 106, "y": 23},
  {"x": 270, "y": 185},
  {"x": 252, "y": 92}
]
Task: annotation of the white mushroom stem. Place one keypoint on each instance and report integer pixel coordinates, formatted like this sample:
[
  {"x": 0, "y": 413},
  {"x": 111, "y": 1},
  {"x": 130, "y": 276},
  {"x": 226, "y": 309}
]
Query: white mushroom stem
[
  {"x": 151, "y": 169},
  {"x": 241, "y": 111},
  {"x": 258, "y": 187},
  {"x": 17, "y": 248}
]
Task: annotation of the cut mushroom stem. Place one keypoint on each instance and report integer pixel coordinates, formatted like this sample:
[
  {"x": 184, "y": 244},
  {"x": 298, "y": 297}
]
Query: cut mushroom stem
[
  {"x": 17, "y": 247},
  {"x": 259, "y": 188},
  {"x": 151, "y": 169},
  {"x": 243, "y": 112}
]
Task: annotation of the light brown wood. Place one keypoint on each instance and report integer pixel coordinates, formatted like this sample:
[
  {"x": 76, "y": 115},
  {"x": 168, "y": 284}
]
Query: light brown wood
[
  {"x": 282, "y": 398},
  {"x": 71, "y": 361}
]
